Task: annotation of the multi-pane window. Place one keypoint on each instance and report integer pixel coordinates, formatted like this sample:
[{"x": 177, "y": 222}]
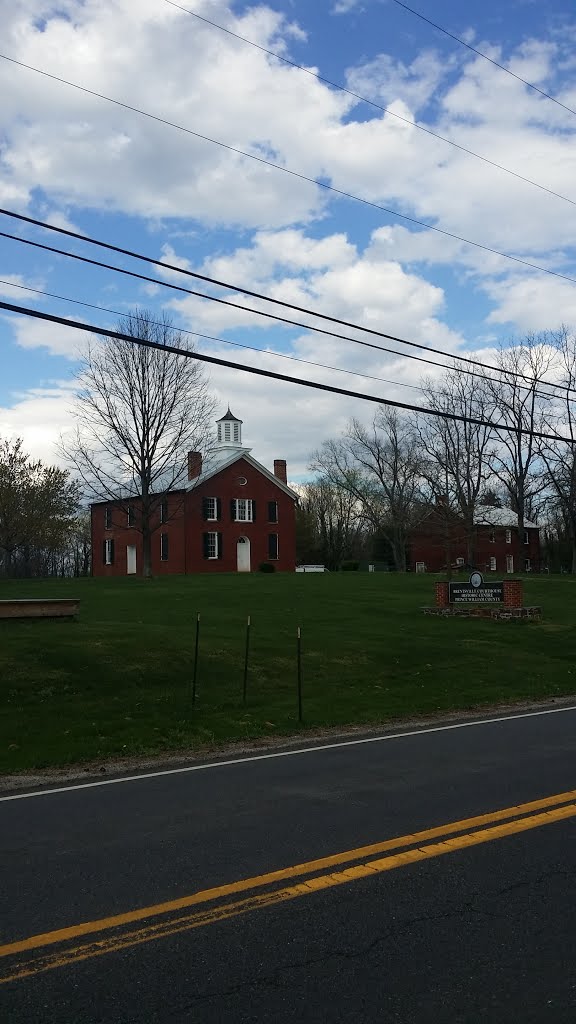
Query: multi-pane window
[
  {"x": 109, "y": 551},
  {"x": 526, "y": 537},
  {"x": 210, "y": 508},
  {"x": 163, "y": 511},
  {"x": 527, "y": 565},
  {"x": 460, "y": 560},
  {"x": 131, "y": 515},
  {"x": 492, "y": 536},
  {"x": 212, "y": 545},
  {"x": 272, "y": 546},
  {"x": 243, "y": 510},
  {"x": 508, "y": 536},
  {"x": 164, "y": 547},
  {"x": 493, "y": 564},
  {"x": 272, "y": 511},
  {"x": 107, "y": 518}
]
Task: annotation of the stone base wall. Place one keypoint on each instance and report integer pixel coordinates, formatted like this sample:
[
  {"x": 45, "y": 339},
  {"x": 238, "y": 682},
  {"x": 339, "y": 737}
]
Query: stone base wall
[{"x": 480, "y": 611}]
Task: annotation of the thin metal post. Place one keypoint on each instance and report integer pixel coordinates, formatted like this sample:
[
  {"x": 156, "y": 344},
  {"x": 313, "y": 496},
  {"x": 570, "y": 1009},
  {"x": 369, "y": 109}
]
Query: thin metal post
[
  {"x": 195, "y": 673},
  {"x": 299, "y": 660},
  {"x": 245, "y": 683}
]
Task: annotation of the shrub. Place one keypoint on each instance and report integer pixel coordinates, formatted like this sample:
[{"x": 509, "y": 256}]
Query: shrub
[
  {"x": 350, "y": 566},
  {"x": 267, "y": 567}
]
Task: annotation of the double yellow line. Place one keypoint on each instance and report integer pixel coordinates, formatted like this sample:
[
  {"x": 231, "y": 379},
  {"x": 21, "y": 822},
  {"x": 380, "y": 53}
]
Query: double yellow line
[{"x": 27, "y": 957}]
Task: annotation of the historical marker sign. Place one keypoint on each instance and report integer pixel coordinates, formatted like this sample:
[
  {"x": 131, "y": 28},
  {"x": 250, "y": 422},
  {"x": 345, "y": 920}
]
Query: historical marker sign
[
  {"x": 465, "y": 593},
  {"x": 475, "y": 591}
]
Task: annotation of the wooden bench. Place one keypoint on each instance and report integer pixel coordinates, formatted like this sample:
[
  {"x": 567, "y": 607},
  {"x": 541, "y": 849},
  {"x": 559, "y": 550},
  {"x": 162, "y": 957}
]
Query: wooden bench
[{"x": 40, "y": 608}]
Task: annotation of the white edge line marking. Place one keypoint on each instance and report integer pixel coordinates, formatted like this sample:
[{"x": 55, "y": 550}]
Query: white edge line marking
[{"x": 284, "y": 753}]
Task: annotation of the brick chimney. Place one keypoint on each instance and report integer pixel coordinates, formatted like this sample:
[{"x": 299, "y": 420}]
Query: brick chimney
[
  {"x": 280, "y": 470},
  {"x": 194, "y": 465}
]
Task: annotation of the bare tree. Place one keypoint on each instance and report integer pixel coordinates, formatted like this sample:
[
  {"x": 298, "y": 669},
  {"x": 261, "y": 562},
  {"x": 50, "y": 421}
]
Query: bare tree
[
  {"x": 379, "y": 468},
  {"x": 335, "y": 518},
  {"x": 559, "y": 457},
  {"x": 138, "y": 412},
  {"x": 458, "y": 455},
  {"x": 519, "y": 402}
]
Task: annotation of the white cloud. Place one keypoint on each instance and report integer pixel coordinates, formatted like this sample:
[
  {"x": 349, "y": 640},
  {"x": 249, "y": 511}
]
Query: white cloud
[
  {"x": 328, "y": 274},
  {"x": 60, "y": 341},
  {"x": 528, "y": 303},
  {"x": 345, "y": 6},
  {"x": 39, "y": 416},
  {"x": 111, "y": 158},
  {"x": 11, "y": 286}
]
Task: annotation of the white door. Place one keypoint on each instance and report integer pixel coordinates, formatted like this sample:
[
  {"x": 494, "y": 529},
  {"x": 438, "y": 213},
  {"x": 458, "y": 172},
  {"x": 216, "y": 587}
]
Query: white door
[
  {"x": 130, "y": 559},
  {"x": 509, "y": 563},
  {"x": 243, "y": 554}
]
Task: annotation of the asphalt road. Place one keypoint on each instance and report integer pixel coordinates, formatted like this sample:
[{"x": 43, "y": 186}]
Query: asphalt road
[{"x": 470, "y": 930}]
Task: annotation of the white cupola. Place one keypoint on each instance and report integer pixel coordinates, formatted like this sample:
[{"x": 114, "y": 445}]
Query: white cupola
[{"x": 229, "y": 431}]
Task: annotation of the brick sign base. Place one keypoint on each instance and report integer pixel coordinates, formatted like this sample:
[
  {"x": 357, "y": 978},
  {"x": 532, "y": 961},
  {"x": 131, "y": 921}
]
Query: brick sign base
[{"x": 512, "y": 606}]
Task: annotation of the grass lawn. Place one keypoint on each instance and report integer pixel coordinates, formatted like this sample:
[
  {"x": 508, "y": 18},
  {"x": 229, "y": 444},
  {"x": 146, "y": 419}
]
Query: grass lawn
[{"x": 117, "y": 682}]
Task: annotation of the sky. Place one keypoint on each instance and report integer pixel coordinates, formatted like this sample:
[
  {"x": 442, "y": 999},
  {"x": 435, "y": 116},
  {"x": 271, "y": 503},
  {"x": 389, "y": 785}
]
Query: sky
[{"x": 78, "y": 161}]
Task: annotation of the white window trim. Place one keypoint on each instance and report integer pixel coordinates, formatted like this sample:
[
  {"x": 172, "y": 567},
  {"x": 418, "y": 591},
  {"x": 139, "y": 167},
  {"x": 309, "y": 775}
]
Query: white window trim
[
  {"x": 277, "y": 555},
  {"x": 162, "y": 559},
  {"x": 527, "y": 565},
  {"x": 213, "y": 518},
  {"x": 247, "y": 503},
  {"x": 163, "y": 506},
  {"x": 526, "y": 537},
  {"x": 508, "y": 536},
  {"x": 212, "y": 534},
  {"x": 492, "y": 563},
  {"x": 459, "y": 560},
  {"x": 108, "y": 518},
  {"x": 108, "y": 559}
]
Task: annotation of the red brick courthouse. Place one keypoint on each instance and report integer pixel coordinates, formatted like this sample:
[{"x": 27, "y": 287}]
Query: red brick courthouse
[
  {"x": 232, "y": 515},
  {"x": 496, "y": 545}
]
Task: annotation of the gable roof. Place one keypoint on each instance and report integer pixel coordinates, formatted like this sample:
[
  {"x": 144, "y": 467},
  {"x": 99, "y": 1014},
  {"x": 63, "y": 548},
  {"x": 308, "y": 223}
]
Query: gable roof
[
  {"x": 222, "y": 458},
  {"x": 488, "y": 515}
]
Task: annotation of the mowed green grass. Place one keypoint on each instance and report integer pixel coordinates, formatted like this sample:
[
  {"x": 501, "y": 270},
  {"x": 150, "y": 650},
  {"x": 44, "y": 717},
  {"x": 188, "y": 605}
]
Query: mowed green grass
[{"x": 117, "y": 682}]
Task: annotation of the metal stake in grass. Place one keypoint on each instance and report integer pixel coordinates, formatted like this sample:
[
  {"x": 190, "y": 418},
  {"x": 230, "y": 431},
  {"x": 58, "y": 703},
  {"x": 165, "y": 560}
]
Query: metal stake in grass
[
  {"x": 195, "y": 673},
  {"x": 299, "y": 663},
  {"x": 245, "y": 683}
]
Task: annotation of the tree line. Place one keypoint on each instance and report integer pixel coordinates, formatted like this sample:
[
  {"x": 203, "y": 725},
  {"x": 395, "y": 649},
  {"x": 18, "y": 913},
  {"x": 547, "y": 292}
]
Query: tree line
[
  {"x": 140, "y": 409},
  {"x": 374, "y": 485},
  {"x": 43, "y": 531}
]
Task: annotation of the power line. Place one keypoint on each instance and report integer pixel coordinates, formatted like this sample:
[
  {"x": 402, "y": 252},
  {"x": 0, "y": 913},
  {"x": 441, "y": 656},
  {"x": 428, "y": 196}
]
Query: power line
[
  {"x": 254, "y": 348},
  {"x": 253, "y": 294},
  {"x": 372, "y": 103},
  {"x": 479, "y": 53},
  {"x": 221, "y": 341},
  {"x": 298, "y": 323},
  {"x": 273, "y": 375},
  {"x": 295, "y": 174}
]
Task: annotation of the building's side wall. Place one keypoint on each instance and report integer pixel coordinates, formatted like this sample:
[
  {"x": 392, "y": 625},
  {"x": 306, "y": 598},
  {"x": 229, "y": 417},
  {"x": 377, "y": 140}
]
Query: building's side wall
[{"x": 124, "y": 536}]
